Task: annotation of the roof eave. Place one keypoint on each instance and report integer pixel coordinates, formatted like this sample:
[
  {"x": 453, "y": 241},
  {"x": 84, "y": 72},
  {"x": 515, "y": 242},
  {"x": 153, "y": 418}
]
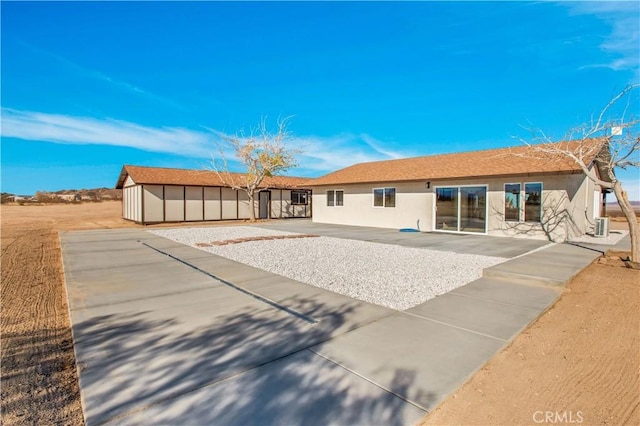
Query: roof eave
[
  {"x": 428, "y": 178},
  {"x": 122, "y": 177}
]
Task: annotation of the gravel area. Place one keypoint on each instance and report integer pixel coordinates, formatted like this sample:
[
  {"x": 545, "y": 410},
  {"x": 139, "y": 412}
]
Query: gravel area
[{"x": 384, "y": 274}]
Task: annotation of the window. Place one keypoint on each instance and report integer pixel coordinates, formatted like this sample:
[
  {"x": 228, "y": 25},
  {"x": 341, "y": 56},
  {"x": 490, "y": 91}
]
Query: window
[
  {"x": 378, "y": 197},
  {"x": 512, "y": 202},
  {"x": 384, "y": 197},
  {"x": 533, "y": 202},
  {"x": 335, "y": 198},
  {"x": 299, "y": 197}
]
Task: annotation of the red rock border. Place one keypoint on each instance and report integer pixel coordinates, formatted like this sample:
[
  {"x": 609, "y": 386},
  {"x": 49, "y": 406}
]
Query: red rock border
[{"x": 247, "y": 239}]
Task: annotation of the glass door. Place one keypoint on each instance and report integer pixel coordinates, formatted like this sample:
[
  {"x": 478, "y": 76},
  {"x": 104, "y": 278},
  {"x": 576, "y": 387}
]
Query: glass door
[
  {"x": 447, "y": 209},
  {"x": 461, "y": 209},
  {"x": 473, "y": 209}
]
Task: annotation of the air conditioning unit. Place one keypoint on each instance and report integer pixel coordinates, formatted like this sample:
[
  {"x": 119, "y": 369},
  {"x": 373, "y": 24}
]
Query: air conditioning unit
[{"x": 602, "y": 227}]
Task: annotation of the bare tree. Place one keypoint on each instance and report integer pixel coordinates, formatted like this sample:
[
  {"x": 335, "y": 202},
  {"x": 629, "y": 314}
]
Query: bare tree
[
  {"x": 610, "y": 141},
  {"x": 263, "y": 154}
]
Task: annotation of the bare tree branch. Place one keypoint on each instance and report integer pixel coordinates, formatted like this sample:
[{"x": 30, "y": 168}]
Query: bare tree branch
[
  {"x": 607, "y": 144},
  {"x": 263, "y": 154}
]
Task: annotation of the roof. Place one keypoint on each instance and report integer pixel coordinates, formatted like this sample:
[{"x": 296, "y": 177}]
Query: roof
[
  {"x": 520, "y": 160},
  {"x": 170, "y": 176}
]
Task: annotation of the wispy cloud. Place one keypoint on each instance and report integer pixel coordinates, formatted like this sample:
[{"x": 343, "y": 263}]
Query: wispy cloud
[
  {"x": 623, "y": 40},
  {"x": 37, "y": 126},
  {"x": 321, "y": 154},
  {"x": 100, "y": 76},
  {"x": 379, "y": 147}
]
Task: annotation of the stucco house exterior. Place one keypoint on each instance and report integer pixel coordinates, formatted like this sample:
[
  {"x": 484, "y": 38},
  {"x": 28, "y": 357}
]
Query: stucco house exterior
[
  {"x": 155, "y": 194},
  {"x": 512, "y": 191}
]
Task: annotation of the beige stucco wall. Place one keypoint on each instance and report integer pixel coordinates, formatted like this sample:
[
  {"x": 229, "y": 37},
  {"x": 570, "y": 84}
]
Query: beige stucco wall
[
  {"x": 567, "y": 202},
  {"x": 412, "y": 206},
  {"x": 564, "y": 199}
]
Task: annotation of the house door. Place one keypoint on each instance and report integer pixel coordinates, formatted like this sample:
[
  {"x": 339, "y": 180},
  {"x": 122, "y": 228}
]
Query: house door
[
  {"x": 461, "y": 209},
  {"x": 263, "y": 201}
]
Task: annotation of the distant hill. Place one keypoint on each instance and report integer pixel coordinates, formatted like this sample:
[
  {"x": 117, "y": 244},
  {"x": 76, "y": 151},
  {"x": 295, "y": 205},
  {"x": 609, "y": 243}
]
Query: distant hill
[
  {"x": 615, "y": 203},
  {"x": 97, "y": 193},
  {"x": 66, "y": 196},
  {"x": 613, "y": 209}
]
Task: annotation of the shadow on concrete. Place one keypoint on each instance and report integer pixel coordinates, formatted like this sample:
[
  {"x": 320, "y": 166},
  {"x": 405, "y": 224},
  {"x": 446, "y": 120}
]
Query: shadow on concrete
[{"x": 249, "y": 366}]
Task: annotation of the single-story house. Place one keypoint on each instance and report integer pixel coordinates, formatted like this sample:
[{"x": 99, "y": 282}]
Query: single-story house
[
  {"x": 513, "y": 191},
  {"x": 154, "y": 194}
]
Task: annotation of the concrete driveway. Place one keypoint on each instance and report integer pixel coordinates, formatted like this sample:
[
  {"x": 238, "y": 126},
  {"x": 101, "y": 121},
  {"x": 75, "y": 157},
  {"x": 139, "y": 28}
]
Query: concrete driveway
[{"x": 165, "y": 333}]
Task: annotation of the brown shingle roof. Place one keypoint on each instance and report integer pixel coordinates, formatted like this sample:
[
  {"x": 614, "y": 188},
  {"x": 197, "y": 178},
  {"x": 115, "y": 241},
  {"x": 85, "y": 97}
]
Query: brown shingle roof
[
  {"x": 495, "y": 162},
  {"x": 169, "y": 176}
]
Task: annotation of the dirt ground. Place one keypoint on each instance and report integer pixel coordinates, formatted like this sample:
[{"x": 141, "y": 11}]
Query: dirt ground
[
  {"x": 580, "y": 360},
  {"x": 38, "y": 374}
]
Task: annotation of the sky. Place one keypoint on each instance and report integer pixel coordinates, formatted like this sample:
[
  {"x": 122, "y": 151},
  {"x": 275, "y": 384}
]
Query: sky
[{"x": 90, "y": 86}]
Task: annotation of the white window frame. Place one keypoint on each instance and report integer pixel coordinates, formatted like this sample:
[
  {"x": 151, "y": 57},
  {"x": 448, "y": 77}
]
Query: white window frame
[
  {"x": 520, "y": 203},
  {"x": 297, "y": 192},
  {"x": 334, "y": 197},
  {"x": 486, "y": 209},
  {"x": 524, "y": 202},
  {"x": 383, "y": 206}
]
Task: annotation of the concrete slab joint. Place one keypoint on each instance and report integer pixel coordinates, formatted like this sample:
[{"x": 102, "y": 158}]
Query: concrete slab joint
[{"x": 172, "y": 334}]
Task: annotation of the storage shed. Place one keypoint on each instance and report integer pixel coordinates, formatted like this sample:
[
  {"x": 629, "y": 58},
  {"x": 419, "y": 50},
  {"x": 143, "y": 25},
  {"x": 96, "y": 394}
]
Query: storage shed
[{"x": 155, "y": 194}]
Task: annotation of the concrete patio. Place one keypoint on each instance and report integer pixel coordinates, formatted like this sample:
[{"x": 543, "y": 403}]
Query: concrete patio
[{"x": 165, "y": 333}]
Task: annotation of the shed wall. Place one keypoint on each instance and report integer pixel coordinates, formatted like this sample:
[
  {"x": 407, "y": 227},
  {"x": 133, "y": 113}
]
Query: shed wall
[
  {"x": 153, "y": 197},
  {"x": 178, "y": 203},
  {"x": 194, "y": 209},
  {"x": 212, "y": 204},
  {"x": 229, "y": 204},
  {"x": 174, "y": 203},
  {"x": 243, "y": 204},
  {"x": 132, "y": 203}
]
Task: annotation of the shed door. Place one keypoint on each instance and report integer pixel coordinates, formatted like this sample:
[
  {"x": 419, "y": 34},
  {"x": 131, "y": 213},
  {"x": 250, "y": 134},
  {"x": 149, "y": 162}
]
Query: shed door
[{"x": 263, "y": 198}]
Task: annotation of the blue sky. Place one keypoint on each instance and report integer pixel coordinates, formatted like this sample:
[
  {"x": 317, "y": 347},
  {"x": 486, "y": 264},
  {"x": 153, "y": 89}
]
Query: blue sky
[{"x": 88, "y": 87}]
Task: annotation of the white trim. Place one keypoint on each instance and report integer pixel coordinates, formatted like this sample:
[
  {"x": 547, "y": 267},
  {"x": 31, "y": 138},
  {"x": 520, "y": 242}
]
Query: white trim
[
  {"x": 334, "y": 197},
  {"x": 384, "y": 206},
  {"x": 457, "y": 231},
  {"x": 524, "y": 202},
  {"x": 520, "y": 204},
  {"x": 597, "y": 202}
]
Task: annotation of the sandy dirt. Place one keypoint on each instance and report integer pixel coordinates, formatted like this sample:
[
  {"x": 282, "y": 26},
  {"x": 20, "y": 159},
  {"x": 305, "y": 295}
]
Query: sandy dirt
[
  {"x": 38, "y": 374},
  {"x": 580, "y": 359},
  {"x": 579, "y": 363}
]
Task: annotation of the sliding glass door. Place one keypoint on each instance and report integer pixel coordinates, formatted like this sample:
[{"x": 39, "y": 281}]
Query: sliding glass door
[{"x": 461, "y": 209}]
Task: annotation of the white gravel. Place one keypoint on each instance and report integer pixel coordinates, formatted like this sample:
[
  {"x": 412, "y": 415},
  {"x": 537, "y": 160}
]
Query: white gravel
[{"x": 384, "y": 274}]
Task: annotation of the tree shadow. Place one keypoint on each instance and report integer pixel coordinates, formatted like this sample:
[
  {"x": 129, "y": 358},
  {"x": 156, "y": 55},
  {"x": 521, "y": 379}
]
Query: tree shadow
[
  {"x": 246, "y": 366},
  {"x": 556, "y": 224}
]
